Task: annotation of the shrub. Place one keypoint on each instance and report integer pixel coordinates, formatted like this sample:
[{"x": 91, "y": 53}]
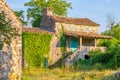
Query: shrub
[
  {"x": 116, "y": 56},
  {"x": 110, "y": 44},
  {"x": 109, "y": 59}
]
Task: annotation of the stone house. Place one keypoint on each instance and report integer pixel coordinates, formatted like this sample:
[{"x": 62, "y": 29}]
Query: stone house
[
  {"x": 10, "y": 55},
  {"x": 81, "y": 33}
]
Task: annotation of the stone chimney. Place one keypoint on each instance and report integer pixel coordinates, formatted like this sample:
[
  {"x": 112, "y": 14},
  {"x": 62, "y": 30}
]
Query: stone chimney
[{"x": 48, "y": 11}]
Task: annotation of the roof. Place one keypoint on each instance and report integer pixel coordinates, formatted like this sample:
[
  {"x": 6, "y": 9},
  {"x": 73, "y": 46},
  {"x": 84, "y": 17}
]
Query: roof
[
  {"x": 77, "y": 21},
  {"x": 85, "y": 34},
  {"x": 69, "y": 33},
  {"x": 35, "y": 30}
]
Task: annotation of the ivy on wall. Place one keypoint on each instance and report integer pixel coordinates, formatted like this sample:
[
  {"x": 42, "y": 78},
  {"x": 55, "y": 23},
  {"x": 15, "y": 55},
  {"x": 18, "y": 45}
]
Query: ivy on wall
[
  {"x": 63, "y": 43},
  {"x": 63, "y": 40},
  {"x": 36, "y": 48},
  {"x": 6, "y": 31}
]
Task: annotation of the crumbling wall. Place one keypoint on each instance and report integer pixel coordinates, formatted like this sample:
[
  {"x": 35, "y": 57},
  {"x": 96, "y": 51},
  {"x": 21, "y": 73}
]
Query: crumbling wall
[
  {"x": 10, "y": 56},
  {"x": 5, "y": 65}
]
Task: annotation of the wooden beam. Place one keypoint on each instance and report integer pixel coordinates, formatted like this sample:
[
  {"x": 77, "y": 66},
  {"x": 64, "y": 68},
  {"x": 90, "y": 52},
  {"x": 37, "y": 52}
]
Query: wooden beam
[
  {"x": 80, "y": 43},
  {"x": 95, "y": 42},
  {"x": 68, "y": 44}
]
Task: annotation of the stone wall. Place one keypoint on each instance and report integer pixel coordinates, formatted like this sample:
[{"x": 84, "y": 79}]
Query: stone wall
[
  {"x": 78, "y": 54},
  {"x": 47, "y": 23},
  {"x": 79, "y": 28},
  {"x": 5, "y": 65},
  {"x": 55, "y": 47},
  {"x": 11, "y": 53},
  {"x": 55, "y": 50}
]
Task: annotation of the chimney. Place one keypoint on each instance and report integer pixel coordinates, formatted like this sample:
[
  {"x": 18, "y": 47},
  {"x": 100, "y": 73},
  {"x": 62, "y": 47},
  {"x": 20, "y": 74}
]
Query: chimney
[{"x": 48, "y": 11}]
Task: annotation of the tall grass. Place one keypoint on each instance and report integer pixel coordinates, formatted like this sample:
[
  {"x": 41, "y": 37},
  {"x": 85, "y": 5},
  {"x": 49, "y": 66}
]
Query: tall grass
[{"x": 63, "y": 74}]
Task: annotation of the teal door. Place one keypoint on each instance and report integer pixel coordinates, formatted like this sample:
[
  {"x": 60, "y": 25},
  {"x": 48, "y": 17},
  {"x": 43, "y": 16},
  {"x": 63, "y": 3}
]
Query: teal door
[{"x": 74, "y": 44}]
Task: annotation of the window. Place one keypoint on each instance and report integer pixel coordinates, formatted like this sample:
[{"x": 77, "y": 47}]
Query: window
[{"x": 86, "y": 28}]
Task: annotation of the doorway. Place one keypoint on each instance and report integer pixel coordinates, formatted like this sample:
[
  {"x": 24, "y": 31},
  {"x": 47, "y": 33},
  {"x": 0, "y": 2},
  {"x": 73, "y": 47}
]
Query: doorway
[{"x": 74, "y": 44}]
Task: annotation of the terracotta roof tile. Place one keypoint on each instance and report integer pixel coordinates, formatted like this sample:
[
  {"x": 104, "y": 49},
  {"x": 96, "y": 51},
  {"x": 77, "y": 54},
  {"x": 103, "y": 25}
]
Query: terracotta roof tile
[
  {"x": 77, "y": 21},
  {"x": 35, "y": 30},
  {"x": 85, "y": 34}
]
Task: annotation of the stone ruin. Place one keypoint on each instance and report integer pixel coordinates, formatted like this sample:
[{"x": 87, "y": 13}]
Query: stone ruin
[
  {"x": 11, "y": 55},
  {"x": 5, "y": 65}
]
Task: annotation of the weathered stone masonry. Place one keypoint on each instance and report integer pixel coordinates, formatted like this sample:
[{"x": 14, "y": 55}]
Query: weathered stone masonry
[
  {"x": 10, "y": 56},
  {"x": 5, "y": 65}
]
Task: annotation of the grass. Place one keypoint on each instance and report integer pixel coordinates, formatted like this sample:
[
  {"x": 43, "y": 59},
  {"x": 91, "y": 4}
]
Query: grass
[
  {"x": 98, "y": 67},
  {"x": 64, "y": 74}
]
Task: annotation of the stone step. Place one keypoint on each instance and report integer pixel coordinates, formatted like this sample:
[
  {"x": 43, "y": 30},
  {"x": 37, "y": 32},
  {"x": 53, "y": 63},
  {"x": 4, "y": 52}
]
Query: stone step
[{"x": 79, "y": 53}]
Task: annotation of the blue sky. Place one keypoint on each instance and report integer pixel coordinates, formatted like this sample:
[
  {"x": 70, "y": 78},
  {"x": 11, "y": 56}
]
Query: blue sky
[{"x": 95, "y": 10}]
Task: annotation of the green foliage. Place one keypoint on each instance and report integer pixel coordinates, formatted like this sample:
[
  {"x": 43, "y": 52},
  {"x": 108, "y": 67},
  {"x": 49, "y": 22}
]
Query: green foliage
[
  {"x": 108, "y": 59},
  {"x": 114, "y": 31},
  {"x": 21, "y": 16},
  {"x": 63, "y": 40},
  {"x": 63, "y": 43},
  {"x": 116, "y": 56},
  {"x": 36, "y": 48},
  {"x": 110, "y": 44},
  {"x": 101, "y": 58},
  {"x": 100, "y": 61},
  {"x": 6, "y": 30},
  {"x": 86, "y": 62},
  {"x": 36, "y": 9},
  {"x": 36, "y": 23}
]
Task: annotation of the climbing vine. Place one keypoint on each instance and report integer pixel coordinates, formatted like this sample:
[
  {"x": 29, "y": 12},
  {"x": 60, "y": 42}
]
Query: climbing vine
[
  {"x": 63, "y": 40},
  {"x": 6, "y": 31},
  {"x": 36, "y": 48}
]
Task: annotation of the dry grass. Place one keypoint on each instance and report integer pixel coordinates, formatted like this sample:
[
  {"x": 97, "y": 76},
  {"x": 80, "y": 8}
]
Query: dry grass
[{"x": 64, "y": 74}]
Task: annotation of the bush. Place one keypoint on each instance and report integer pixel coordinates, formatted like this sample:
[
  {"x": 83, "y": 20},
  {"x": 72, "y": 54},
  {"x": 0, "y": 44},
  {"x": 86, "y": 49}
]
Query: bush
[
  {"x": 109, "y": 59},
  {"x": 116, "y": 56},
  {"x": 36, "y": 48},
  {"x": 110, "y": 44}
]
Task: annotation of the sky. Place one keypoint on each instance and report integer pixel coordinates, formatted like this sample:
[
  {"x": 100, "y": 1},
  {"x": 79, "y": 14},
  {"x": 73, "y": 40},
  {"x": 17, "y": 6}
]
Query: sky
[{"x": 96, "y": 10}]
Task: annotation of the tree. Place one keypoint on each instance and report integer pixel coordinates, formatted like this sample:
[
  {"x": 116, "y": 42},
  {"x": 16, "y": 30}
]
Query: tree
[
  {"x": 36, "y": 9},
  {"x": 114, "y": 31},
  {"x": 110, "y": 22},
  {"x": 21, "y": 16}
]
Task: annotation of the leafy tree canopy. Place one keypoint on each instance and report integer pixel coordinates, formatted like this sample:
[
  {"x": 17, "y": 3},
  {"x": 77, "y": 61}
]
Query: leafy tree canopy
[
  {"x": 36, "y": 9},
  {"x": 114, "y": 31},
  {"x": 21, "y": 16}
]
